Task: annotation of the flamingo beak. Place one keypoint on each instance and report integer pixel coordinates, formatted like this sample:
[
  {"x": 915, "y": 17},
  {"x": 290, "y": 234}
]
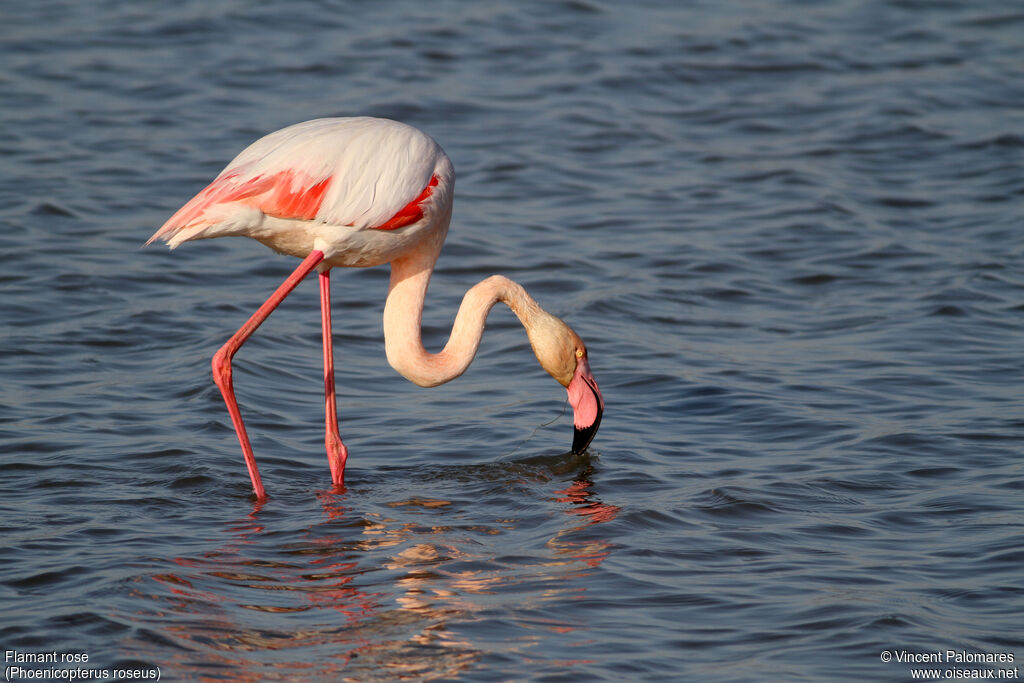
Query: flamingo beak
[{"x": 587, "y": 405}]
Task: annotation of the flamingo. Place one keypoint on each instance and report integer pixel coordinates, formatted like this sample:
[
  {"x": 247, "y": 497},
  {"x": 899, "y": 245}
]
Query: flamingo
[{"x": 358, "y": 192}]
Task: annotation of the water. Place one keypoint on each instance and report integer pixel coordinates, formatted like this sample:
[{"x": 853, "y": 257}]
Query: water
[{"x": 790, "y": 233}]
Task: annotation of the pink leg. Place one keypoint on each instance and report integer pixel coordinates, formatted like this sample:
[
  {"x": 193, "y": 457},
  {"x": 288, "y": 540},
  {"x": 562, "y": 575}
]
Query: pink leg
[
  {"x": 337, "y": 454},
  {"x": 222, "y": 360}
]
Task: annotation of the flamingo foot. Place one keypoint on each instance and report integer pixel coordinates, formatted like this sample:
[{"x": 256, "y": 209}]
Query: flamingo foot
[{"x": 337, "y": 455}]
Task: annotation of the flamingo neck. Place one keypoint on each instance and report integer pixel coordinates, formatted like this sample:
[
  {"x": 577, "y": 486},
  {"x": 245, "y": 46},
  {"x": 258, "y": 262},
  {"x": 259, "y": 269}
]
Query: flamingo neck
[{"x": 403, "y": 314}]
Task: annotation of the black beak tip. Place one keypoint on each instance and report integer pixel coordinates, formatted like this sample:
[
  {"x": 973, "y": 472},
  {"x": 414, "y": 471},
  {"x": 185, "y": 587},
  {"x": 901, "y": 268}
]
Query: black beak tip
[{"x": 581, "y": 438}]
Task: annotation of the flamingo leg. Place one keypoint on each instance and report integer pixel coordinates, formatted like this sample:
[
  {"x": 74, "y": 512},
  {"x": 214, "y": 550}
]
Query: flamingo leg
[
  {"x": 222, "y": 360},
  {"x": 337, "y": 454}
]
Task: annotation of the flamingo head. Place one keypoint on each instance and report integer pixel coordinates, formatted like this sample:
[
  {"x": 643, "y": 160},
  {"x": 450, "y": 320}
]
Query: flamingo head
[{"x": 564, "y": 355}]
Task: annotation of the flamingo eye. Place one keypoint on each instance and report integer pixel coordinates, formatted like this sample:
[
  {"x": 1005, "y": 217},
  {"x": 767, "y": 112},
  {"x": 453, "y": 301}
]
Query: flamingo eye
[{"x": 579, "y": 353}]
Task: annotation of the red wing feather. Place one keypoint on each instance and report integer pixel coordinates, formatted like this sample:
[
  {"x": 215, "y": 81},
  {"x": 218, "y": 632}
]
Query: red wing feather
[{"x": 411, "y": 212}]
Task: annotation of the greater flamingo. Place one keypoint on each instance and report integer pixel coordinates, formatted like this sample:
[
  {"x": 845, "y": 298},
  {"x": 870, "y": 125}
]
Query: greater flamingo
[{"x": 363, "y": 192}]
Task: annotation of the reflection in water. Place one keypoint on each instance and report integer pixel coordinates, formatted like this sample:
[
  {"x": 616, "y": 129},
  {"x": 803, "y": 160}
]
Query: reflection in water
[
  {"x": 391, "y": 595},
  {"x": 592, "y": 511}
]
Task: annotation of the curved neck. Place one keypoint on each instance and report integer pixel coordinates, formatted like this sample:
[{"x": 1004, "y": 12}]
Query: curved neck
[{"x": 403, "y": 314}]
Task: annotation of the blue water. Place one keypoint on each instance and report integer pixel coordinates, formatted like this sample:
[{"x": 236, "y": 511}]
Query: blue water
[{"x": 789, "y": 232}]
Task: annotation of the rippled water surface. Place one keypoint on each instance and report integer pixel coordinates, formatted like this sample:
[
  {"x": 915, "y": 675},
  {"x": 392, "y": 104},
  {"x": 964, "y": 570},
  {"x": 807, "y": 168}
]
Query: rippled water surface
[{"x": 790, "y": 233}]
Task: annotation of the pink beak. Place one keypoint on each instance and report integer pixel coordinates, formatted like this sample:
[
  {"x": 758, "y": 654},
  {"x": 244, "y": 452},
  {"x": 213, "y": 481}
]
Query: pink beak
[{"x": 587, "y": 405}]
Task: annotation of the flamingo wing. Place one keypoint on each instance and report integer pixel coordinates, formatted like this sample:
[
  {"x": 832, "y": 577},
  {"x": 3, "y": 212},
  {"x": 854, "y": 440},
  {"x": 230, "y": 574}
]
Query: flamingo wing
[{"x": 362, "y": 172}]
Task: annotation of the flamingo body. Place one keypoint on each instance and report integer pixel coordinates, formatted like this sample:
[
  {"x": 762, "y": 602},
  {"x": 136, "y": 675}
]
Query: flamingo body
[
  {"x": 364, "y": 192},
  {"x": 337, "y": 182}
]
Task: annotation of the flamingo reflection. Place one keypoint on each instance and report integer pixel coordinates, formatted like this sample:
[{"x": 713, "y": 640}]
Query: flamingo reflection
[{"x": 261, "y": 608}]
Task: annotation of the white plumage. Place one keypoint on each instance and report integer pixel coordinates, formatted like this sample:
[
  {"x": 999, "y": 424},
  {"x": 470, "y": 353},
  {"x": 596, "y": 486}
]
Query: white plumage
[{"x": 322, "y": 181}]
